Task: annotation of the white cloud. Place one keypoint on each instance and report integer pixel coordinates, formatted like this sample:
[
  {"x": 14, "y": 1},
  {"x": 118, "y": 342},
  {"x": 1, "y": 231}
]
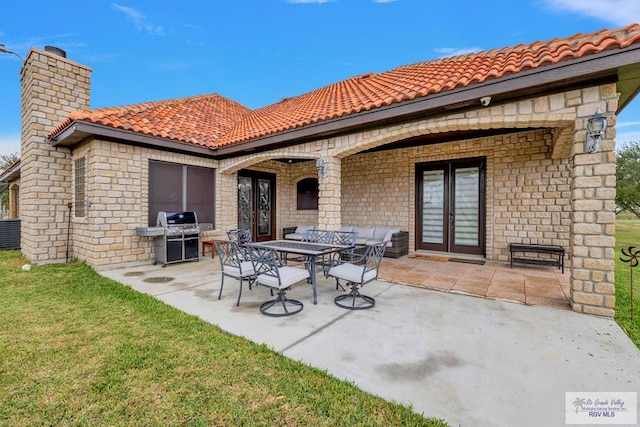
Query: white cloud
[
  {"x": 9, "y": 144},
  {"x": 626, "y": 124},
  {"x": 453, "y": 51},
  {"x": 140, "y": 20},
  {"x": 618, "y": 12}
]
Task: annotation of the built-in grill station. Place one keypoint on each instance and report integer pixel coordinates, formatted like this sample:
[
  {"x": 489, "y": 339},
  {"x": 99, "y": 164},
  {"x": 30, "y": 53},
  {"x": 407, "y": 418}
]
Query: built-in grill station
[{"x": 177, "y": 237}]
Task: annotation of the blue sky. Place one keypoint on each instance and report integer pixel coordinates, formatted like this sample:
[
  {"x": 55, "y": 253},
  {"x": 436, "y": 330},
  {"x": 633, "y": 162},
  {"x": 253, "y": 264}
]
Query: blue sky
[{"x": 259, "y": 51}]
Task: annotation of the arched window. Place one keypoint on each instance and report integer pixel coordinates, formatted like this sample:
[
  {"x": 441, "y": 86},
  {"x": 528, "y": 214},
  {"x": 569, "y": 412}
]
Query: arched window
[{"x": 307, "y": 194}]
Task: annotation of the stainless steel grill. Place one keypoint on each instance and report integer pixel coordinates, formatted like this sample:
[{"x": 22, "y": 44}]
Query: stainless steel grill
[{"x": 180, "y": 240}]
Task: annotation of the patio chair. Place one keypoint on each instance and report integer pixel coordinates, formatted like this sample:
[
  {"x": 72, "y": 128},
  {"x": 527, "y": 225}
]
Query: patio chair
[
  {"x": 357, "y": 272},
  {"x": 240, "y": 235},
  {"x": 311, "y": 236},
  {"x": 234, "y": 264},
  {"x": 271, "y": 273},
  {"x": 341, "y": 238},
  {"x": 318, "y": 236}
]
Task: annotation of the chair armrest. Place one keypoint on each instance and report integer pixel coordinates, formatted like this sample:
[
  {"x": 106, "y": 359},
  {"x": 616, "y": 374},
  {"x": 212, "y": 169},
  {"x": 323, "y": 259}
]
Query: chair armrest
[{"x": 352, "y": 257}]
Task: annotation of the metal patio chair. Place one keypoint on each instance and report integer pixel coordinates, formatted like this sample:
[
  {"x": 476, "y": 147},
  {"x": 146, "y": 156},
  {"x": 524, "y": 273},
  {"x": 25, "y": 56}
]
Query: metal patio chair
[
  {"x": 341, "y": 238},
  {"x": 234, "y": 264},
  {"x": 357, "y": 272},
  {"x": 272, "y": 274},
  {"x": 240, "y": 235}
]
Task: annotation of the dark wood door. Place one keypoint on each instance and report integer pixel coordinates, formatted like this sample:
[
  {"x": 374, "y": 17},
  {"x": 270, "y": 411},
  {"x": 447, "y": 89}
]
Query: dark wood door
[{"x": 256, "y": 204}]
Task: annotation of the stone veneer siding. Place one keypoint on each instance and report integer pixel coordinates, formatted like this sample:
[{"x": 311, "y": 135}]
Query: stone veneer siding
[
  {"x": 52, "y": 88},
  {"x": 117, "y": 185},
  {"x": 541, "y": 185}
]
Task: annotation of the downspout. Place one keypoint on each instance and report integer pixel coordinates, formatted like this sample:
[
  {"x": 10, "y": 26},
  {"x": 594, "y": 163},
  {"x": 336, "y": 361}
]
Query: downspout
[{"x": 69, "y": 205}]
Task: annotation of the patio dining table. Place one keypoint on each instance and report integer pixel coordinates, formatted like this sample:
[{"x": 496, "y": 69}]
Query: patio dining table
[{"x": 309, "y": 250}]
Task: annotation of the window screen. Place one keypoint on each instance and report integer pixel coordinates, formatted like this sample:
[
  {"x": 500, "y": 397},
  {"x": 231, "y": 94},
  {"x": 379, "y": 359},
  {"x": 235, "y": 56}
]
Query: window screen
[{"x": 175, "y": 188}]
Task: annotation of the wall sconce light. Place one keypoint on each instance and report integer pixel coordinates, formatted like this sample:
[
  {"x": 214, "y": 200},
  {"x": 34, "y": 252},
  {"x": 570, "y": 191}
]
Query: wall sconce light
[
  {"x": 595, "y": 129},
  {"x": 323, "y": 169}
]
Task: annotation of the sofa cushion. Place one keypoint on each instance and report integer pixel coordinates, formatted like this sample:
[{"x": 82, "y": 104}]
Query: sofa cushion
[
  {"x": 379, "y": 233},
  {"x": 390, "y": 232},
  {"x": 301, "y": 229},
  {"x": 364, "y": 232},
  {"x": 293, "y": 236},
  {"x": 299, "y": 233}
]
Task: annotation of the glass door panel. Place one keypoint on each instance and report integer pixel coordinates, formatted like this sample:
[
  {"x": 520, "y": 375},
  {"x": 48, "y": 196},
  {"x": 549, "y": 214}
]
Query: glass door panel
[
  {"x": 433, "y": 207},
  {"x": 245, "y": 201},
  {"x": 256, "y": 202},
  {"x": 466, "y": 206},
  {"x": 264, "y": 207}
]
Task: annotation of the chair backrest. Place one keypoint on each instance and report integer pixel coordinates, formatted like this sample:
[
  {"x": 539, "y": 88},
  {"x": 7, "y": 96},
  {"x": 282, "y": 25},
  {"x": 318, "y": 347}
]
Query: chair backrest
[
  {"x": 229, "y": 253},
  {"x": 344, "y": 238},
  {"x": 318, "y": 236},
  {"x": 265, "y": 261},
  {"x": 240, "y": 235},
  {"x": 372, "y": 259}
]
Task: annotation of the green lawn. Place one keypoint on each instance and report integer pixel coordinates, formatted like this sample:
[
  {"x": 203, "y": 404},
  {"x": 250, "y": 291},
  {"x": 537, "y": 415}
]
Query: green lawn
[
  {"x": 628, "y": 234},
  {"x": 79, "y": 349}
]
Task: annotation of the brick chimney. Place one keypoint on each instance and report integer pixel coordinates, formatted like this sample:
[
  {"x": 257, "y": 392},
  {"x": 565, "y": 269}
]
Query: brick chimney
[{"x": 52, "y": 88}]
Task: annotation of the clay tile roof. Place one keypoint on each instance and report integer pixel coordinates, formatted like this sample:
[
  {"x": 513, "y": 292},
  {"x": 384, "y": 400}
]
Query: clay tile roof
[
  {"x": 215, "y": 121},
  {"x": 408, "y": 82},
  {"x": 199, "y": 120}
]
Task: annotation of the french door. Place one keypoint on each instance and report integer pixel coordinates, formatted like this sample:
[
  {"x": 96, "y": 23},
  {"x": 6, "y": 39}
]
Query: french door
[
  {"x": 450, "y": 207},
  {"x": 256, "y": 204}
]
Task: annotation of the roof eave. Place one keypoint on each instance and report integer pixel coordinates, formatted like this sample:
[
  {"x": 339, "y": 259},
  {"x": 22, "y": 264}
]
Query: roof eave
[
  {"x": 78, "y": 131},
  {"x": 601, "y": 65},
  {"x": 11, "y": 174}
]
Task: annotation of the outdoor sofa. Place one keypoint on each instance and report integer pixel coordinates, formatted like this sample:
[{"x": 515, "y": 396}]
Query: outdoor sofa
[{"x": 398, "y": 241}]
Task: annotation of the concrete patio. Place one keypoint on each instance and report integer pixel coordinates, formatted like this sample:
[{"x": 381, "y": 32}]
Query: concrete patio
[{"x": 471, "y": 361}]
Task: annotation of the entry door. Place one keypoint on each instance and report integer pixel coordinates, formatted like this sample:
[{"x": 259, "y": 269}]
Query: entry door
[
  {"x": 256, "y": 204},
  {"x": 450, "y": 206}
]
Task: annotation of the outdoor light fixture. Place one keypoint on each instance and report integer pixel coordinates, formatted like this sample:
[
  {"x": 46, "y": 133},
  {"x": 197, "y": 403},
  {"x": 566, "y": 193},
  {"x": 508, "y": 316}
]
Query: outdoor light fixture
[
  {"x": 3, "y": 49},
  {"x": 595, "y": 129},
  {"x": 323, "y": 169}
]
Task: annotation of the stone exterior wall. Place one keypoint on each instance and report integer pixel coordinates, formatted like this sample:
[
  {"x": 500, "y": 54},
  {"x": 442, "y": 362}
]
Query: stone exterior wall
[
  {"x": 593, "y": 192},
  {"x": 542, "y": 186},
  {"x": 288, "y": 197},
  {"x": 117, "y": 178},
  {"x": 52, "y": 88},
  {"x": 527, "y": 200}
]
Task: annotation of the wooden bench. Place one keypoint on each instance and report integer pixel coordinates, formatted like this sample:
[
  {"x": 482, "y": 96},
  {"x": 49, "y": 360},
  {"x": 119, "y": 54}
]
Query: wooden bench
[{"x": 522, "y": 253}]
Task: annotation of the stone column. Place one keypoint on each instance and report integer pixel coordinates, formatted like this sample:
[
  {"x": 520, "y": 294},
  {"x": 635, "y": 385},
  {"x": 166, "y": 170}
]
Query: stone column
[
  {"x": 329, "y": 195},
  {"x": 593, "y": 209},
  {"x": 52, "y": 88},
  {"x": 226, "y": 202}
]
